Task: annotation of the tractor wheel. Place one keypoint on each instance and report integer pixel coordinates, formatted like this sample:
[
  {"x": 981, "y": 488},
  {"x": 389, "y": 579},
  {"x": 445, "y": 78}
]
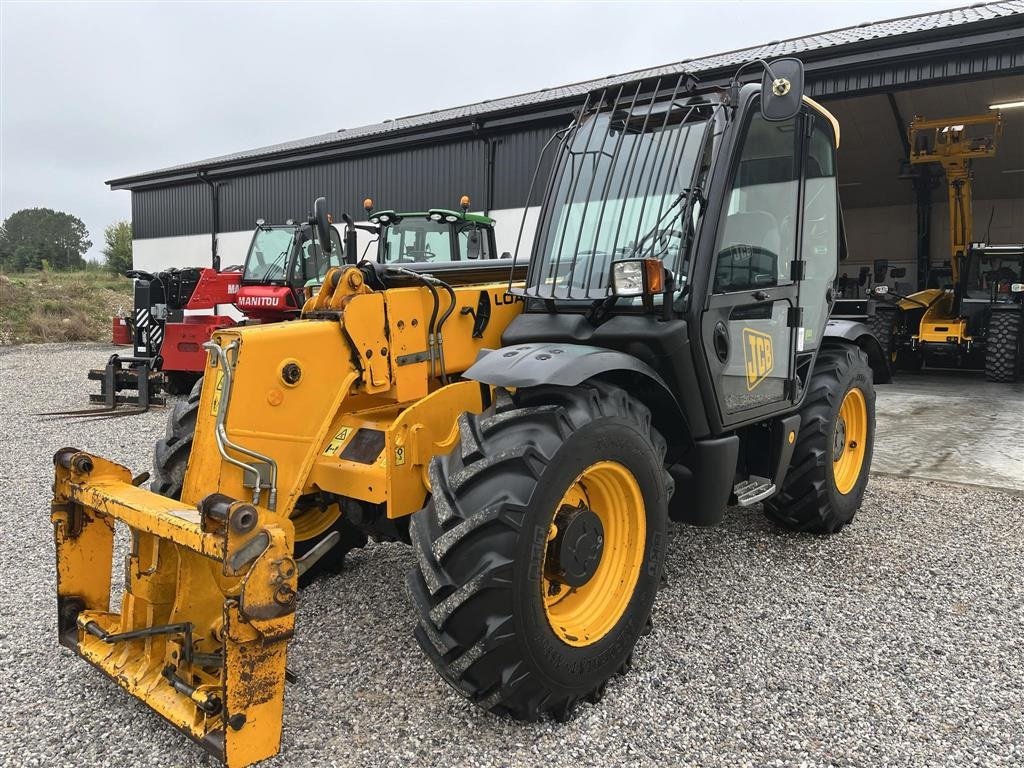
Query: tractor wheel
[
  {"x": 312, "y": 522},
  {"x": 541, "y": 548},
  {"x": 881, "y": 324},
  {"x": 909, "y": 360},
  {"x": 1002, "y": 346},
  {"x": 179, "y": 383},
  {"x": 825, "y": 483},
  {"x": 170, "y": 455}
]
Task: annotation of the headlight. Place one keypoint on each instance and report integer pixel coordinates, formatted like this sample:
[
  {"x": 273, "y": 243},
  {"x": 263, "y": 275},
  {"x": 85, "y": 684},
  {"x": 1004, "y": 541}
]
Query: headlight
[
  {"x": 435, "y": 217},
  {"x": 637, "y": 277}
]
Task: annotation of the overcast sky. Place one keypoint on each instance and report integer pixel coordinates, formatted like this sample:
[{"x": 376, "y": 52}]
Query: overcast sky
[{"x": 93, "y": 91}]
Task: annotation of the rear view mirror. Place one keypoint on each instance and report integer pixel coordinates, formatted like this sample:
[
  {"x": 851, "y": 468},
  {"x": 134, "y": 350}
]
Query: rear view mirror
[
  {"x": 881, "y": 267},
  {"x": 473, "y": 245},
  {"x": 782, "y": 90},
  {"x": 323, "y": 226}
]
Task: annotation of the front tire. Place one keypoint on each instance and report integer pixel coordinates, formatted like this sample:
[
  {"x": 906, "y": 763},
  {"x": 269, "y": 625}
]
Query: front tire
[
  {"x": 313, "y": 521},
  {"x": 510, "y": 528},
  {"x": 828, "y": 473}
]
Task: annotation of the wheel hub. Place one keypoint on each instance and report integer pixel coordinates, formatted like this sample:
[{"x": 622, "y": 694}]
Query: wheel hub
[
  {"x": 575, "y": 552},
  {"x": 839, "y": 439}
]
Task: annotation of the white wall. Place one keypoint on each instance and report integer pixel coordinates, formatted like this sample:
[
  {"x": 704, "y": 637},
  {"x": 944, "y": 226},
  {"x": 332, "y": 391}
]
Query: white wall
[
  {"x": 156, "y": 253},
  {"x": 506, "y": 229},
  {"x": 872, "y": 233}
]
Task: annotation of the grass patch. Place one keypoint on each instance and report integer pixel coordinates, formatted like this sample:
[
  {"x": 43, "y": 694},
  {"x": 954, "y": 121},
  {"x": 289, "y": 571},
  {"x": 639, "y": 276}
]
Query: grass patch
[{"x": 61, "y": 306}]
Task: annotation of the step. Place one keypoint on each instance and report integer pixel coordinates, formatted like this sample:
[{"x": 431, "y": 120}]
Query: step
[{"x": 753, "y": 490}]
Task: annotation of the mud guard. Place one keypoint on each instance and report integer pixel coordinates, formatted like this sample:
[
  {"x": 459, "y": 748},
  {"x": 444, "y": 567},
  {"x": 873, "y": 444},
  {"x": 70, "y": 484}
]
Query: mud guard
[
  {"x": 567, "y": 365},
  {"x": 858, "y": 333}
]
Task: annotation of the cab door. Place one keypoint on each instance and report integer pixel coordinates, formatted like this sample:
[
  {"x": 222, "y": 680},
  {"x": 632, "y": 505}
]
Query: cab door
[
  {"x": 747, "y": 324},
  {"x": 774, "y": 265}
]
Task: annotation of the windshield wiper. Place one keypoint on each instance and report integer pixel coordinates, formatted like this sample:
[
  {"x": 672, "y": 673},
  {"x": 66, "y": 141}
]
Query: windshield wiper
[
  {"x": 273, "y": 265},
  {"x": 683, "y": 195}
]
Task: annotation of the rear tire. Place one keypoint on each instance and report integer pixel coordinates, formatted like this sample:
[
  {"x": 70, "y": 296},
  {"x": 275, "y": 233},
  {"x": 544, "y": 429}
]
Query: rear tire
[
  {"x": 170, "y": 460},
  {"x": 1003, "y": 346},
  {"x": 483, "y": 546},
  {"x": 822, "y": 490}
]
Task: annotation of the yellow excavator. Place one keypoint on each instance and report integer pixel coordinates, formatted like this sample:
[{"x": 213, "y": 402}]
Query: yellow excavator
[
  {"x": 975, "y": 319},
  {"x": 529, "y": 429}
]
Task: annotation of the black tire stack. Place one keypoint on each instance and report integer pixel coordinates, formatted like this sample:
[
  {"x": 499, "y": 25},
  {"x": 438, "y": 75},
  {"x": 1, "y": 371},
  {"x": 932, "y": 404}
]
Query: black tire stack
[
  {"x": 1003, "y": 346},
  {"x": 881, "y": 324}
]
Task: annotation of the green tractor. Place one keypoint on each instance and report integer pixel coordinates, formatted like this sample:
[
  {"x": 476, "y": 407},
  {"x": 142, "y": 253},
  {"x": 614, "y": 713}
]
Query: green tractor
[{"x": 436, "y": 236}]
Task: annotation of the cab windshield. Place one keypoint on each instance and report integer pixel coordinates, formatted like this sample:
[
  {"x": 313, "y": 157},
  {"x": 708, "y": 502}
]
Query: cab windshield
[
  {"x": 622, "y": 186},
  {"x": 271, "y": 256},
  {"x": 268, "y": 254},
  {"x": 417, "y": 240},
  {"x": 990, "y": 274}
]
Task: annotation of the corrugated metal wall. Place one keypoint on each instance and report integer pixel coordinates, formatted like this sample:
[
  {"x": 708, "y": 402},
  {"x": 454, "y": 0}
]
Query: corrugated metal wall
[
  {"x": 437, "y": 174},
  {"x": 423, "y": 177}
]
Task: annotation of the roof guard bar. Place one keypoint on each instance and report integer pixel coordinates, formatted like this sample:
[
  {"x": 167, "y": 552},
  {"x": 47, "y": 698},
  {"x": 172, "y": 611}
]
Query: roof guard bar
[{"x": 220, "y": 357}]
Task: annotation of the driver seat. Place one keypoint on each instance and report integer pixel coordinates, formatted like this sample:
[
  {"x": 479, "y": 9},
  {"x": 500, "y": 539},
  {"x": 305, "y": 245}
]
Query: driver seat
[{"x": 755, "y": 228}]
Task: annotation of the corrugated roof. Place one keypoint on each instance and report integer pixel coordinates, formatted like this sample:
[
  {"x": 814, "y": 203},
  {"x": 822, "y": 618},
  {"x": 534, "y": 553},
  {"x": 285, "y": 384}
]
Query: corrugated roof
[{"x": 890, "y": 28}]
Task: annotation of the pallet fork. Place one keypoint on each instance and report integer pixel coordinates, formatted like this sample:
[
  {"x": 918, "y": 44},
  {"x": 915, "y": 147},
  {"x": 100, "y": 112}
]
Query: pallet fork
[
  {"x": 129, "y": 374},
  {"x": 122, "y": 374}
]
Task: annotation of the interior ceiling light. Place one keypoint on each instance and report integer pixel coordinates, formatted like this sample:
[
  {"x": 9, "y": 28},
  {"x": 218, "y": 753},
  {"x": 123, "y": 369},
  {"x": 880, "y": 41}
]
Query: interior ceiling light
[{"x": 1007, "y": 105}]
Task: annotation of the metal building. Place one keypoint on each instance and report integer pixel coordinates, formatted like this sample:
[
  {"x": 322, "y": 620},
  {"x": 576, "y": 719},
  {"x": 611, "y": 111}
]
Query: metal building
[{"x": 875, "y": 77}]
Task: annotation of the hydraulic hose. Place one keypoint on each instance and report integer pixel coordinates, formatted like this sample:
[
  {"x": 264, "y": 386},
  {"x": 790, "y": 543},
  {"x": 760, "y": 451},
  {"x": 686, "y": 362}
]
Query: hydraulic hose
[{"x": 433, "y": 317}]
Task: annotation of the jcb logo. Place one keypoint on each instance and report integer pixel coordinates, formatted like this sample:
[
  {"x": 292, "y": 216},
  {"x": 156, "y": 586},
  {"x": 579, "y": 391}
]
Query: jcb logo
[{"x": 757, "y": 354}]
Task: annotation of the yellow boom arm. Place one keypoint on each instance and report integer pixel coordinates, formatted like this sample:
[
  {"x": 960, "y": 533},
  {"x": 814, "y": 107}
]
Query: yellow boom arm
[{"x": 954, "y": 143}]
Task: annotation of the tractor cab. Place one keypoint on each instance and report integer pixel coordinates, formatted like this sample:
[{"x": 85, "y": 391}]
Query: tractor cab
[
  {"x": 993, "y": 277},
  {"x": 992, "y": 272},
  {"x": 433, "y": 237},
  {"x": 282, "y": 262}
]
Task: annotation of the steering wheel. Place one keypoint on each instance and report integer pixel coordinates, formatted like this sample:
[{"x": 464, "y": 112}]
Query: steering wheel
[
  {"x": 411, "y": 257},
  {"x": 743, "y": 257}
]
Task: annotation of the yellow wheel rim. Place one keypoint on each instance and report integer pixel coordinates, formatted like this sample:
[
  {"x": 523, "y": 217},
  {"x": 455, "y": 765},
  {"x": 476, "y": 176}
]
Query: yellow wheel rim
[
  {"x": 582, "y": 615},
  {"x": 850, "y": 440},
  {"x": 313, "y": 522}
]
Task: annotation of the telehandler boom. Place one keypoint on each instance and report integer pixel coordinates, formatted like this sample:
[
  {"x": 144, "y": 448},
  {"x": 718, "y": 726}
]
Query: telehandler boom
[{"x": 665, "y": 353}]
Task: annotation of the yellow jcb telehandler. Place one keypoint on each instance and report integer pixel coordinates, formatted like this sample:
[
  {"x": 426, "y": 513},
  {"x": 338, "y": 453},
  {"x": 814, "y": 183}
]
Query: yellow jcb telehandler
[
  {"x": 664, "y": 353},
  {"x": 976, "y": 317}
]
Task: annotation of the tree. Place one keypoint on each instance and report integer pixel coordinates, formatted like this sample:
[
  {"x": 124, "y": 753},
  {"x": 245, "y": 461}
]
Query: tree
[
  {"x": 118, "y": 250},
  {"x": 32, "y": 235}
]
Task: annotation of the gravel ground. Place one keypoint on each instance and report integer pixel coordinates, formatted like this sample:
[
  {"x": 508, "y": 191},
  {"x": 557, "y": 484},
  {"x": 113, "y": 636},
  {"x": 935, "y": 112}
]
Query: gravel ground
[{"x": 897, "y": 642}]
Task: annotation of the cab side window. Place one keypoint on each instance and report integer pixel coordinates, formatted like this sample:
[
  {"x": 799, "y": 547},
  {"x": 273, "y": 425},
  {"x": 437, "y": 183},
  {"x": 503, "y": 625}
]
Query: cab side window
[
  {"x": 758, "y": 234},
  {"x": 819, "y": 247}
]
